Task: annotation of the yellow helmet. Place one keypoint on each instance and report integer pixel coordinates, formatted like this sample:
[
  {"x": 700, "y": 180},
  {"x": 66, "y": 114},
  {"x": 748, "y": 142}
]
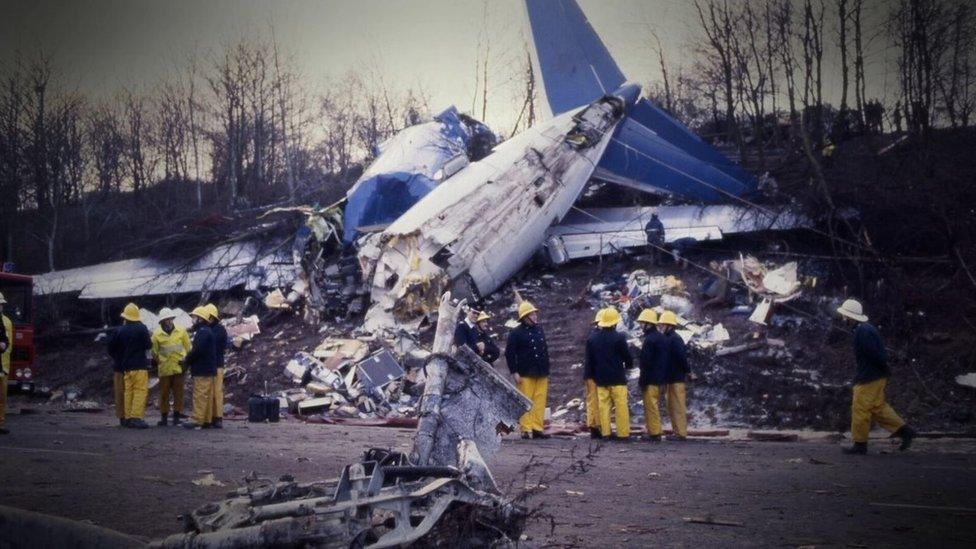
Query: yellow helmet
[
  {"x": 201, "y": 312},
  {"x": 599, "y": 316},
  {"x": 648, "y": 315},
  {"x": 668, "y": 318},
  {"x": 212, "y": 312},
  {"x": 610, "y": 318},
  {"x": 525, "y": 308},
  {"x": 131, "y": 313},
  {"x": 483, "y": 315}
]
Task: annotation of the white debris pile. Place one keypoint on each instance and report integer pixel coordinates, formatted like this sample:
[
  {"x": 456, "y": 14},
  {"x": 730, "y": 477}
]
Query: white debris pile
[{"x": 342, "y": 378}]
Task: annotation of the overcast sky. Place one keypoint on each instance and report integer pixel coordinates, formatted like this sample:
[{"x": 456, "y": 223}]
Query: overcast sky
[{"x": 102, "y": 45}]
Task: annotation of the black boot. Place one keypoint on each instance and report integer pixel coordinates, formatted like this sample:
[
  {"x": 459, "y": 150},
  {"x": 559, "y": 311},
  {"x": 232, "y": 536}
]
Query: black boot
[
  {"x": 163, "y": 421},
  {"x": 218, "y": 423},
  {"x": 4, "y": 431},
  {"x": 123, "y": 422},
  {"x": 907, "y": 434},
  {"x": 859, "y": 448},
  {"x": 539, "y": 435},
  {"x": 138, "y": 423},
  {"x": 595, "y": 433},
  {"x": 178, "y": 418}
]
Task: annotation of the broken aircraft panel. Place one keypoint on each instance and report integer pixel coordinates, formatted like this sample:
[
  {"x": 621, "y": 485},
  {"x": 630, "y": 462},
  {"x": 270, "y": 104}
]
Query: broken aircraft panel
[
  {"x": 599, "y": 231},
  {"x": 409, "y": 165},
  {"x": 473, "y": 235}
]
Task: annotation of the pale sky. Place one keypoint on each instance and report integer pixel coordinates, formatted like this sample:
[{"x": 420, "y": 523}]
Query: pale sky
[{"x": 102, "y": 45}]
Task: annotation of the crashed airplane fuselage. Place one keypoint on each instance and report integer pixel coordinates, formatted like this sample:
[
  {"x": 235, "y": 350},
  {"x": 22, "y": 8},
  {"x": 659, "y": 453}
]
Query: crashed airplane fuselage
[{"x": 472, "y": 235}]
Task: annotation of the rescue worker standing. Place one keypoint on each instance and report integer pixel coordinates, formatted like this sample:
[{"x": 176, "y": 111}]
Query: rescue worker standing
[
  {"x": 487, "y": 347},
  {"x": 654, "y": 360},
  {"x": 6, "y": 348},
  {"x": 870, "y": 379},
  {"x": 466, "y": 331},
  {"x": 592, "y": 403},
  {"x": 129, "y": 346},
  {"x": 170, "y": 343},
  {"x": 528, "y": 360},
  {"x": 220, "y": 344},
  {"x": 674, "y": 379},
  {"x": 202, "y": 361},
  {"x": 608, "y": 359},
  {"x": 655, "y": 239}
]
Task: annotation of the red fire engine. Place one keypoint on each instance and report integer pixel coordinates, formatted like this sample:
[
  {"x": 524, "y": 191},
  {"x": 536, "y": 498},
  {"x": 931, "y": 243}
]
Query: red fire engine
[{"x": 18, "y": 291}]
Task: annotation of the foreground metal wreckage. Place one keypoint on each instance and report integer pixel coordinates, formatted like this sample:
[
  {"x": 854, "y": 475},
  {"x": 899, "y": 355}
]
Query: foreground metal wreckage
[{"x": 441, "y": 493}]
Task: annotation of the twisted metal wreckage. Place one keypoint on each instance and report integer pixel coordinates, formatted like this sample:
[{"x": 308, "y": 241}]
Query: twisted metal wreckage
[{"x": 441, "y": 492}]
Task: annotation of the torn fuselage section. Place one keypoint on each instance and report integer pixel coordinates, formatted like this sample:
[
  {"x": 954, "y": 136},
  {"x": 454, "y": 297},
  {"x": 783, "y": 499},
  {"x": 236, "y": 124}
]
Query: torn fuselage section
[{"x": 471, "y": 236}]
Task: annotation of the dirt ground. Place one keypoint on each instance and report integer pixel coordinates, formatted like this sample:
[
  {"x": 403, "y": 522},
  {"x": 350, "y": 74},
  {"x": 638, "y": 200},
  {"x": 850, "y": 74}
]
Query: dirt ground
[{"x": 84, "y": 467}]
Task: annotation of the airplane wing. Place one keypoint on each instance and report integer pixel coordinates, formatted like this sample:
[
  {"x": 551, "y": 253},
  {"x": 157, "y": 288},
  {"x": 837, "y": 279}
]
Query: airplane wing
[{"x": 651, "y": 151}]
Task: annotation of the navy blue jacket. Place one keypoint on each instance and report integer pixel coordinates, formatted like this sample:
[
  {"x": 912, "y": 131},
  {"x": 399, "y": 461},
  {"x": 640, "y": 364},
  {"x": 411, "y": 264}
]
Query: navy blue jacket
[
  {"x": 220, "y": 341},
  {"x": 869, "y": 350},
  {"x": 678, "y": 367},
  {"x": 128, "y": 346},
  {"x": 655, "y": 359},
  {"x": 202, "y": 358},
  {"x": 608, "y": 357},
  {"x": 655, "y": 231},
  {"x": 492, "y": 352},
  {"x": 526, "y": 351},
  {"x": 466, "y": 335}
]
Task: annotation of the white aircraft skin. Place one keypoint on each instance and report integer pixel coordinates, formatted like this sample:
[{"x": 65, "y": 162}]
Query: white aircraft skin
[{"x": 475, "y": 231}]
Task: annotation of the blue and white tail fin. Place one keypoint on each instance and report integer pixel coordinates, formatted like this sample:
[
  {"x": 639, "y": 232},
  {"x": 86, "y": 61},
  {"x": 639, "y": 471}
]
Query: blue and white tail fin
[{"x": 650, "y": 150}]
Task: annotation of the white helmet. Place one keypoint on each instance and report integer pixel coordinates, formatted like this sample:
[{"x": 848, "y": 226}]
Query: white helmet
[
  {"x": 165, "y": 313},
  {"x": 853, "y": 310},
  {"x": 2, "y": 299}
]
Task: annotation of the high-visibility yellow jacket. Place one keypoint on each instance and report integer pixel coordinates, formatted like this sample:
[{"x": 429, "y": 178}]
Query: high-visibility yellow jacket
[
  {"x": 8, "y": 328},
  {"x": 169, "y": 350}
]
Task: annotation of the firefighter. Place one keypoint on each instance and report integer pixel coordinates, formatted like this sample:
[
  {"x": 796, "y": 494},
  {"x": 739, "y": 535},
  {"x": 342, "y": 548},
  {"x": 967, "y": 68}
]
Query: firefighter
[
  {"x": 170, "y": 343},
  {"x": 654, "y": 360},
  {"x": 466, "y": 331},
  {"x": 674, "y": 379},
  {"x": 528, "y": 360},
  {"x": 220, "y": 343},
  {"x": 487, "y": 347},
  {"x": 6, "y": 348},
  {"x": 608, "y": 359},
  {"x": 130, "y": 346},
  {"x": 592, "y": 404},
  {"x": 654, "y": 230},
  {"x": 202, "y": 362},
  {"x": 870, "y": 379}
]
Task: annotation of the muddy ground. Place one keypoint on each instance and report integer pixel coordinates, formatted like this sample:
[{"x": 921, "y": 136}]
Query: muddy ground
[{"x": 82, "y": 466}]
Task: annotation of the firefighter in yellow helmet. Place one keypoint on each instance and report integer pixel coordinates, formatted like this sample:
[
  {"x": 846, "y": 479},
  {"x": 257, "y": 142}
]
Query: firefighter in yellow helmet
[
  {"x": 592, "y": 403},
  {"x": 654, "y": 360},
  {"x": 870, "y": 380},
  {"x": 674, "y": 379},
  {"x": 527, "y": 355},
  {"x": 6, "y": 348},
  {"x": 170, "y": 343},
  {"x": 202, "y": 362},
  {"x": 487, "y": 347},
  {"x": 129, "y": 346},
  {"x": 220, "y": 344},
  {"x": 608, "y": 359}
]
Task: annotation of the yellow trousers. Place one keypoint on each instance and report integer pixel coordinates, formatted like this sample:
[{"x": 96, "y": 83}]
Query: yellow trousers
[
  {"x": 652, "y": 409},
  {"x": 869, "y": 405},
  {"x": 203, "y": 389},
  {"x": 118, "y": 389},
  {"x": 592, "y": 406},
  {"x": 616, "y": 396},
  {"x": 676, "y": 409},
  {"x": 3, "y": 400},
  {"x": 537, "y": 390},
  {"x": 218, "y": 398},
  {"x": 171, "y": 385},
  {"x": 136, "y": 384}
]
